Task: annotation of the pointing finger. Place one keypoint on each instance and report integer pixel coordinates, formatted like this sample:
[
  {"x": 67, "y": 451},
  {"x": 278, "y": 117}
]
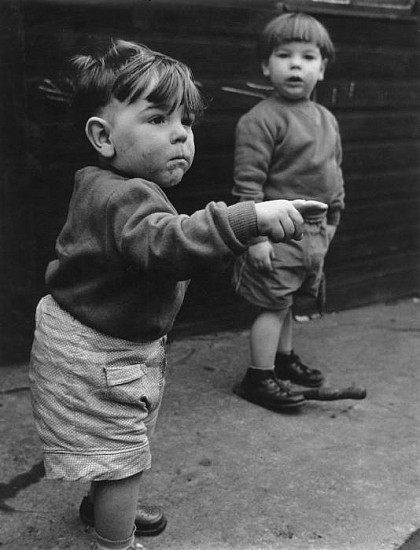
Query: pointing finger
[{"x": 310, "y": 208}]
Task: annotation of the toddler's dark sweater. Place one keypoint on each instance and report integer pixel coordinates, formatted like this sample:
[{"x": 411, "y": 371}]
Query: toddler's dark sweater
[{"x": 124, "y": 256}]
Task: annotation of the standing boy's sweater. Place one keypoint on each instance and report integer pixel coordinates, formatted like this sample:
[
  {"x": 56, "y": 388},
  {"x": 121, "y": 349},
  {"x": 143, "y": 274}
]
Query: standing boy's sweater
[
  {"x": 287, "y": 150},
  {"x": 124, "y": 255}
]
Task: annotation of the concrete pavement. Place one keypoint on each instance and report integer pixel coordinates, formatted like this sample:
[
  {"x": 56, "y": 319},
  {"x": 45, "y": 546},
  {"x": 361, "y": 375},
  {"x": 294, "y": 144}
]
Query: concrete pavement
[{"x": 230, "y": 475}]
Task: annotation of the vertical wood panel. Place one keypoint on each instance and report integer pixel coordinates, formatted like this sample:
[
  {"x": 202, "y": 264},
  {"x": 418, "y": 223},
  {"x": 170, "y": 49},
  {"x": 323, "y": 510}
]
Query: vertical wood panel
[{"x": 373, "y": 88}]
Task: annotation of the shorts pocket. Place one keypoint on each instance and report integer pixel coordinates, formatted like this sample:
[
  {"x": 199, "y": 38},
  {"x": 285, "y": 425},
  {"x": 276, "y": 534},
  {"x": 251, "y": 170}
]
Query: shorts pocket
[{"x": 125, "y": 384}]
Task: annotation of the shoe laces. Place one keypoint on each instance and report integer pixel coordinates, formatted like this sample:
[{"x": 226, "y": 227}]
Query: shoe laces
[
  {"x": 297, "y": 364},
  {"x": 282, "y": 385}
]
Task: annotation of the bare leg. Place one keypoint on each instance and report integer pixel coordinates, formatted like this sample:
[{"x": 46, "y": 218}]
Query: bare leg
[
  {"x": 285, "y": 343},
  {"x": 260, "y": 384},
  {"x": 115, "y": 507},
  {"x": 265, "y": 335},
  {"x": 288, "y": 364}
]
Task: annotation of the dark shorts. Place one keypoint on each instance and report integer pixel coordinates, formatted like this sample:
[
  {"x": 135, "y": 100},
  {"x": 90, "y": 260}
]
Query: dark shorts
[
  {"x": 95, "y": 398},
  {"x": 296, "y": 276}
]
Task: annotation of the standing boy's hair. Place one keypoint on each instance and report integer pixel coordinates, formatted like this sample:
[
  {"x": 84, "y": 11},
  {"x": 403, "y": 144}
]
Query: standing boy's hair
[
  {"x": 125, "y": 71},
  {"x": 294, "y": 27}
]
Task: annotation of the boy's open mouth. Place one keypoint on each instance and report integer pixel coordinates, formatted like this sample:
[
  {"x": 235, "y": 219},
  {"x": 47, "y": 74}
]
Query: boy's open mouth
[{"x": 295, "y": 79}]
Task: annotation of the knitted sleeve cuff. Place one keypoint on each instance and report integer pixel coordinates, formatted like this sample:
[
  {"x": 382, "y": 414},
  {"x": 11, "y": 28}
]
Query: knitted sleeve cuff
[{"x": 243, "y": 220}]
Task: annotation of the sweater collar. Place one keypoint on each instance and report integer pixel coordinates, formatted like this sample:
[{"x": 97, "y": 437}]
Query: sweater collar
[
  {"x": 121, "y": 173},
  {"x": 291, "y": 102}
]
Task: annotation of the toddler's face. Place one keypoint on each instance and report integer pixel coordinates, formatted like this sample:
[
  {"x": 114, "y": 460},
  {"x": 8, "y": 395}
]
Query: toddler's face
[
  {"x": 150, "y": 142},
  {"x": 294, "y": 69}
]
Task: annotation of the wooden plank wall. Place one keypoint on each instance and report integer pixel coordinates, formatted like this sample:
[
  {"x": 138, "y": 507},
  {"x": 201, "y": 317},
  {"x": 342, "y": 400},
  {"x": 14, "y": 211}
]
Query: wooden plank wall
[{"x": 373, "y": 88}]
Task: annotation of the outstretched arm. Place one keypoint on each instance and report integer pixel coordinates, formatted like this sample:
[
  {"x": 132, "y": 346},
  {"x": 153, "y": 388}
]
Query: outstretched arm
[{"x": 151, "y": 235}]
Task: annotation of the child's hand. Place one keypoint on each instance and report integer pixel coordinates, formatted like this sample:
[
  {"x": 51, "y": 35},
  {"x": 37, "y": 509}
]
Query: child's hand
[
  {"x": 279, "y": 220},
  {"x": 310, "y": 208},
  {"x": 260, "y": 256},
  {"x": 282, "y": 220}
]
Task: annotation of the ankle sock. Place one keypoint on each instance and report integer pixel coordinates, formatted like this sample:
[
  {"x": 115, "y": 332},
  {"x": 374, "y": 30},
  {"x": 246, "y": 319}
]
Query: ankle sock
[
  {"x": 253, "y": 373},
  {"x": 106, "y": 544}
]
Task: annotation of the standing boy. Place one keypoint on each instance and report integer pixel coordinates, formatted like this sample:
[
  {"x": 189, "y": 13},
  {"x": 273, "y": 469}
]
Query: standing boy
[
  {"x": 123, "y": 260},
  {"x": 287, "y": 146}
]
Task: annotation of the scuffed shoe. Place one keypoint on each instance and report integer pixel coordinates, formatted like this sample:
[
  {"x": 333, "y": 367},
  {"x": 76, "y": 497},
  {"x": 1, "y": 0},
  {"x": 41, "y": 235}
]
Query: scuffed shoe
[
  {"x": 150, "y": 520},
  {"x": 262, "y": 388},
  {"x": 290, "y": 367}
]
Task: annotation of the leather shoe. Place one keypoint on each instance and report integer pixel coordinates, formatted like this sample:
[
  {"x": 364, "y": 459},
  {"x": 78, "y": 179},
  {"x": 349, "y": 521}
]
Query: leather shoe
[
  {"x": 263, "y": 388},
  {"x": 150, "y": 520},
  {"x": 290, "y": 367}
]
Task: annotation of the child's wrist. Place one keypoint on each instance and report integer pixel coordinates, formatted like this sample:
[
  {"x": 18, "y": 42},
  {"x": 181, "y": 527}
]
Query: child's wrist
[
  {"x": 257, "y": 240},
  {"x": 243, "y": 220}
]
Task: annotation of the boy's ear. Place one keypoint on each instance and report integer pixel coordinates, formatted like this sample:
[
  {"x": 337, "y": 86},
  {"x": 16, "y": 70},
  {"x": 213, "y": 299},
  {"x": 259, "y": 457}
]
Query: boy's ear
[
  {"x": 98, "y": 133},
  {"x": 264, "y": 68},
  {"x": 323, "y": 67}
]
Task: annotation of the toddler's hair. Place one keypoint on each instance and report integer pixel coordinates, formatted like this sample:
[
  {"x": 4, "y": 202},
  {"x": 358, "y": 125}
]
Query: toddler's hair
[
  {"x": 294, "y": 27},
  {"x": 125, "y": 71}
]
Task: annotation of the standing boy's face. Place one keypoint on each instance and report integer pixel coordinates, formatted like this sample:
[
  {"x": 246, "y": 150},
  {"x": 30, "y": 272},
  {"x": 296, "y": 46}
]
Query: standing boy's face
[
  {"x": 149, "y": 141},
  {"x": 294, "y": 69}
]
